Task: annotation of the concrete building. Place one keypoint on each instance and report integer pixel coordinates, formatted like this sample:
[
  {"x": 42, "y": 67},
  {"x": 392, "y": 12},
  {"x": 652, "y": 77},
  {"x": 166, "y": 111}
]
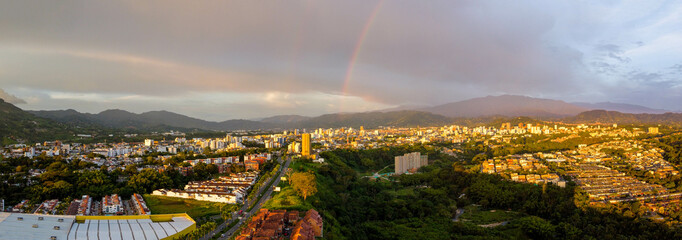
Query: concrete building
[
  {"x": 653, "y": 130},
  {"x": 112, "y": 204},
  {"x": 84, "y": 206},
  {"x": 410, "y": 162},
  {"x": 251, "y": 165},
  {"x": 305, "y": 149},
  {"x": 37, "y": 226},
  {"x": 140, "y": 204}
]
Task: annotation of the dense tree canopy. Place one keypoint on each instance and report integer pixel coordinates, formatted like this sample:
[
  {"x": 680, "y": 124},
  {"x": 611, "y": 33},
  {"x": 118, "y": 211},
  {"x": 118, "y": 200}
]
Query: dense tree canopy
[{"x": 422, "y": 205}]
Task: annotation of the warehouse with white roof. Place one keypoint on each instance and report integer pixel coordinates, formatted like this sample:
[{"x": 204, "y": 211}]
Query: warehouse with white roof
[{"x": 57, "y": 227}]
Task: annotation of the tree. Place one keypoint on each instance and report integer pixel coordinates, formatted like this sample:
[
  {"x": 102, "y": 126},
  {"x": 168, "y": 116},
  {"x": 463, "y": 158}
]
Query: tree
[
  {"x": 131, "y": 170},
  {"x": 304, "y": 183},
  {"x": 287, "y": 174},
  {"x": 212, "y": 169},
  {"x": 536, "y": 227},
  {"x": 149, "y": 180}
]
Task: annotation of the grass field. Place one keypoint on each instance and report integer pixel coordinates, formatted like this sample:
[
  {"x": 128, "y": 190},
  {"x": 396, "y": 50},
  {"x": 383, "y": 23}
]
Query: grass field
[
  {"x": 478, "y": 216},
  {"x": 287, "y": 199},
  {"x": 194, "y": 208}
]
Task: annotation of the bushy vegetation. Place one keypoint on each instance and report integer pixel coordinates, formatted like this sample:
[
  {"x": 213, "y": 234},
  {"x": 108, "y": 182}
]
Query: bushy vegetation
[
  {"x": 199, "y": 231},
  {"x": 63, "y": 179},
  {"x": 422, "y": 205}
]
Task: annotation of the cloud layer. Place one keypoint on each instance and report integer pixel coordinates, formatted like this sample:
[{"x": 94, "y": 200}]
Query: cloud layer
[
  {"x": 10, "y": 98},
  {"x": 220, "y": 59}
]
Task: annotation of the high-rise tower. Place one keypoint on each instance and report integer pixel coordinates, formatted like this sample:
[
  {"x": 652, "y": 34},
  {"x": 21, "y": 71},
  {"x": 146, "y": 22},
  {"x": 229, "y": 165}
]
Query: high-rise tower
[{"x": 305, "y": 150}]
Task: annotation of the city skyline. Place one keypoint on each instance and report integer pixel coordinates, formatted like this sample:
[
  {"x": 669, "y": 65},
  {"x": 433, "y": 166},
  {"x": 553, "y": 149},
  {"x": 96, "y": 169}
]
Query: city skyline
[{"x": 219, "y": 61}]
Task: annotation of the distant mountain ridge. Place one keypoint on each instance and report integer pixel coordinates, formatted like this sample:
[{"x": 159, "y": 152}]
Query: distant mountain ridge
[
  {"x": 470, "y": 112},
  {"x": 620, "y": 107},
  {"x": 603, "y": 116},
  {"x": 116, "y": 118},
  {"x": 16, "y": 124},
  {"x": 507, "y": 105},
  {"x": 285, "y": 119}
]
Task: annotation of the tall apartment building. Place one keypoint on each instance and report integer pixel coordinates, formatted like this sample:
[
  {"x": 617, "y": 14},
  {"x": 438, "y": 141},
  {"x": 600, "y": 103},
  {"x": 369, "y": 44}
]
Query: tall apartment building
[
  {"x": 410, "y": 162},
  {"x": 305, "y": 150}
]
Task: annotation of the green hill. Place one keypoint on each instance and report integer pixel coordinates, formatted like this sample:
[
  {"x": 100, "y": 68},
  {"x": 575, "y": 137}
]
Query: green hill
[
  {"x": 602, "y": 116},
  {"x": 16, "y": 125}
]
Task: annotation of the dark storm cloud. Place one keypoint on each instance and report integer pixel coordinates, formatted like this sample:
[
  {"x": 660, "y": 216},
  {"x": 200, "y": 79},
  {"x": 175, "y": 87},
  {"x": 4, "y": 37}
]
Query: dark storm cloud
[{"x": 292, "y": 47}]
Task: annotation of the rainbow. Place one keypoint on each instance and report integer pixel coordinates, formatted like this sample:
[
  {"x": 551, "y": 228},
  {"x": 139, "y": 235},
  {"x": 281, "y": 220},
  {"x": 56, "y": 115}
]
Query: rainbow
[{"x": 358, "y": 47}]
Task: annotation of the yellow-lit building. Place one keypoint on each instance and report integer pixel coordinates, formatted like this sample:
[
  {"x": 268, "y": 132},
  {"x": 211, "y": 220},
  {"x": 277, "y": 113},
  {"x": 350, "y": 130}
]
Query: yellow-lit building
[
  {"x": 653, "y": 130},
  {"x": 305, "y": 148}
]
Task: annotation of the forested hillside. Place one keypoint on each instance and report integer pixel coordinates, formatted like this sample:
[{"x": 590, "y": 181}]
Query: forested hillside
[{"x": 423, "y": 205}]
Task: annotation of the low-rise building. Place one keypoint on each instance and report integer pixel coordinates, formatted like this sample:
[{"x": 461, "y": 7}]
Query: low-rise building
[
  {"x": 112, "y": 204},
  {"x": 139, "y": 204}
]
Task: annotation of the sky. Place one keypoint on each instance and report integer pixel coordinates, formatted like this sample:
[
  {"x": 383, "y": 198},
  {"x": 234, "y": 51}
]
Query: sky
[{"x": 220, "y": 60}]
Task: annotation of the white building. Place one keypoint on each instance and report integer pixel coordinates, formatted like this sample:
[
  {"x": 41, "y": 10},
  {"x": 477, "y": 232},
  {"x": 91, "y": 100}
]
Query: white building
[
  {"x": 112, "y": 204},
  {"x": 410, "y": 162}
]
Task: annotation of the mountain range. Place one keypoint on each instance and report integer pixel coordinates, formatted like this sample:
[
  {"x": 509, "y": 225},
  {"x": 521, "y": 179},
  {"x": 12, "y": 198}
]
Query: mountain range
[
  {"x": 164, "y": 120},
  {"x": 473, "y": 110},
  {"x": 19, "y": 124},
  {"x": 515, "y": 106},
  {"x": 620, "y": 107},
  {"x": 507, "y": 105}
]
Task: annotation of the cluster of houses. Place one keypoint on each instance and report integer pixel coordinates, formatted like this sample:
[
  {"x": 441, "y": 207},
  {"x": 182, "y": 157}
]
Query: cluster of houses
[
  {"x": 513, "y": 163},
  {"x": 47, "y": 207},
  {"x": 282, "y": 224},
  {"x": 86, "y": 206},
  {"x": 20, "y": 206},
  {"x": 603, "y": 184},
  {"x": 538, "y": 178},
  {"x": 641, "y": 156},
  {"x": 250, "y": 162},
  {"x": 652, "y": 162},
  {"x": 227, "y": 160},
  {"x": 139, "y": 204},
  {"x": 590, "y": 167},
  {"x": 225, "y": 189},
  {"x": 112, "y": 204},
  {"x": 522, "y": 168}
]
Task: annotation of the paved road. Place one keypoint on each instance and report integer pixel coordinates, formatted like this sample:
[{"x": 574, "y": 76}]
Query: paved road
[
  {"x": 255, "y": 209},
  {"x": 460, "y": 211}
]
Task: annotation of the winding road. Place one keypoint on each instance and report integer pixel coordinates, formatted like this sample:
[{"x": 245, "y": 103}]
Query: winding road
[{"x": 255, "y": 209}]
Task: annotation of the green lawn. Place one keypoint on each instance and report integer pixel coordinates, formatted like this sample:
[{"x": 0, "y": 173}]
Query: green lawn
[
  {"x": 287, "y": 199},
  {"x": 478, "y": 216},
  {"x": 194, "y": 208}
]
